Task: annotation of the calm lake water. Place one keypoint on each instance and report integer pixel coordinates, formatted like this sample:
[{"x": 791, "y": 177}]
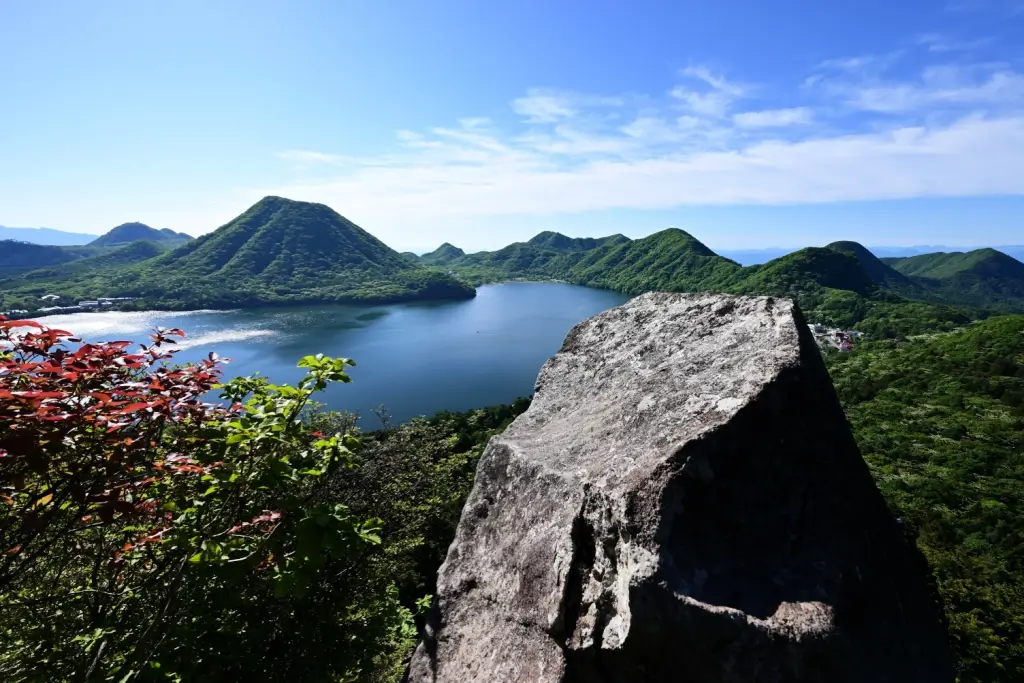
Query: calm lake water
[{"x": 415, "y": 359}]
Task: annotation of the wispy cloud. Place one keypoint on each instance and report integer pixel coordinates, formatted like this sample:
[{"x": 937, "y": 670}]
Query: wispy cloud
[
  {"x": 936, "y": 42},
  {"x": 307, "y": 157},
  {"x": 774, "y": 118},
  {"x": 990, "y": 87},
  {"x": 959, "y": 132},
  {"x": 715, "y": 99},
  {"x": 549, "y": 106}
]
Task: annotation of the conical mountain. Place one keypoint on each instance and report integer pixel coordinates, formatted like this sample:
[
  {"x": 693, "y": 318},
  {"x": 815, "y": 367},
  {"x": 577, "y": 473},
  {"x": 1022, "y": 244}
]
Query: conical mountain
[
  {"x": 443, "y": 255},
  {"x": 282, "y": 251},
  {"x": 126, "y": 233}
]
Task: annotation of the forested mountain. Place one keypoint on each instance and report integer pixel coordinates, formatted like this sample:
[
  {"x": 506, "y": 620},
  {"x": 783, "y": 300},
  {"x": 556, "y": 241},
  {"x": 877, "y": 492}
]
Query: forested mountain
[
  {"x": 880, "y": 273},
  {"x": 126, "y": 233},
  {"x": 670, "y": 260},
  {"x": 444, "y": 254},
  {"x": 985, "y": 278},
  {"x": 560, "y": 242},
  {"x": 279, "y": 251},
  {"x": 18, "y": 257},
  {"x": 286, "y": 251},
  {"x": 101, "y": 262},
  {"x": 842, "y": 283}
]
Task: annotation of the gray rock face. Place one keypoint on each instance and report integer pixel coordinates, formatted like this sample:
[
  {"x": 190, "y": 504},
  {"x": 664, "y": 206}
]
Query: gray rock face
[{"x": 684, "y": 502}]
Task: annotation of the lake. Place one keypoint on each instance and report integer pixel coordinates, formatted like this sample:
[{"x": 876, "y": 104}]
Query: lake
[{"x": 415, "y": 359}]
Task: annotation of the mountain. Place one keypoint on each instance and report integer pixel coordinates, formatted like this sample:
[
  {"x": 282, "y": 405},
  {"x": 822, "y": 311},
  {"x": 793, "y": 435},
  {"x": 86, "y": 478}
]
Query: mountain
[
  {"x": 1014, "y": 250},
  {"x": 547, "y": 255},
  {"x": 284, "y": 251},
  {"x": 882, "y": 274},
  {"x": 808, "y": 269},
  {"x": 751, "y": 257},
  {"x": 47, "y": 236},
  {"x": 671, "y": 260},
  {"x": 126, "y": 233},
  {"x": 135, "y": 252},
  {"x": 562, "y": 243},
  {"x": 18, "y": 257},
  {"x": 443, "y": 255},
  {"x": 985, "y": 278}
]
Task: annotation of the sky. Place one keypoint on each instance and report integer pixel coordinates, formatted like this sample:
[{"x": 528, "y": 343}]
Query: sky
[{"x": 749, "y": 124}]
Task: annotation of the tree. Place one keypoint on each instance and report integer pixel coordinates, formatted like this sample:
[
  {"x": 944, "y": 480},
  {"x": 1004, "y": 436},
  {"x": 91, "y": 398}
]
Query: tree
[{"x": 146, "y": 534}]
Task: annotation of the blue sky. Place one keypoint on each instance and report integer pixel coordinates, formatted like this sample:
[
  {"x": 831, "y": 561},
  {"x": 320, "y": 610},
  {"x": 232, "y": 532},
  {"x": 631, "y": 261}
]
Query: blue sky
[{"x": 748, "y": 123}]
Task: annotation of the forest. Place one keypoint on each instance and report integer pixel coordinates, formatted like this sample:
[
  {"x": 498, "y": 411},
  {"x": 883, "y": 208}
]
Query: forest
[{"x": 238, "y": 543}]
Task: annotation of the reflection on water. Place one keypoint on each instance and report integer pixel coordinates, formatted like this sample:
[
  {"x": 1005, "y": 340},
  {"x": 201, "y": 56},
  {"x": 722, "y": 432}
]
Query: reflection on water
[{"x": 415, "y": 359}]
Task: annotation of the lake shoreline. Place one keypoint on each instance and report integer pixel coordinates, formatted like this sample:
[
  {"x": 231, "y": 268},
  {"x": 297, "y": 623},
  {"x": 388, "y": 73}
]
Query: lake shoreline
[{"x": 416, "y": 358}]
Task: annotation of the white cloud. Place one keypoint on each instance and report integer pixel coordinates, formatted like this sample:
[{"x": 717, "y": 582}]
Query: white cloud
[
  {"x": 948, "y": 86},
  {"x": 549, "y": 106},
  {"x": 773, "y": 118},
  {"x": 719, "y": 83},
  {"x": 974, "y": 156},
  {"x": 303, "y": 156},
  {"x": 935, "y": 42},
  {"x": 714, "y": 102},
  {"x": 960, "y": 133}
]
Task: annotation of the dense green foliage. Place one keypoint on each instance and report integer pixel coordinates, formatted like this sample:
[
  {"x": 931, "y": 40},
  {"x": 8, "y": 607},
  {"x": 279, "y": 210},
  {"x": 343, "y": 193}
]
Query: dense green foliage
[
  {"x": 126, "y": 233},
  {"x": 940, "y": 420},
  {"x": 149, "y": 536},
  {"x": 881, "y": 273},
  {"x": 21, "y": 257},
  {"x": 134, "y": 252},
  {"x": 278, "y": 252},
  {"x": 842, "y": 284},
  {"x": 562, "y": 243},
  {"x": 18, "y": 257},
  {"x": 443, "y": 255},
  {"x": 984, "y": 278}
]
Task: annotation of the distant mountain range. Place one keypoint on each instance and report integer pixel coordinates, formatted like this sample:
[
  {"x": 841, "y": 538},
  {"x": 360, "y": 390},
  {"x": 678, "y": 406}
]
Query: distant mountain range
[
  {"x": 20, "y": 256},
  {"x": 833, "y": 282},
  {"x": 47, "y": 236},
  {"x": 126, "y": 233},
  {"x": 745, "y": 257},
  {"x": 120, "y": 235},
  {"x": 279, "y": 251},
  {"x": 752, "y": 257},
  {"x": 283, "y": 251}
]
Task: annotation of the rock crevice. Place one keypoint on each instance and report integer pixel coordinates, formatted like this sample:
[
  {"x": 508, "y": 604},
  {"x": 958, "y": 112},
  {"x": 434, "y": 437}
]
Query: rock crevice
[{"x": 683, "y": 501}]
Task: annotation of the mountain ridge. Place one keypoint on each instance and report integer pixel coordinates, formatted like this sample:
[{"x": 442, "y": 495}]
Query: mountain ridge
[
  {"x": 126, "y": 233},
  {"x": 279, "y": 251}
]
